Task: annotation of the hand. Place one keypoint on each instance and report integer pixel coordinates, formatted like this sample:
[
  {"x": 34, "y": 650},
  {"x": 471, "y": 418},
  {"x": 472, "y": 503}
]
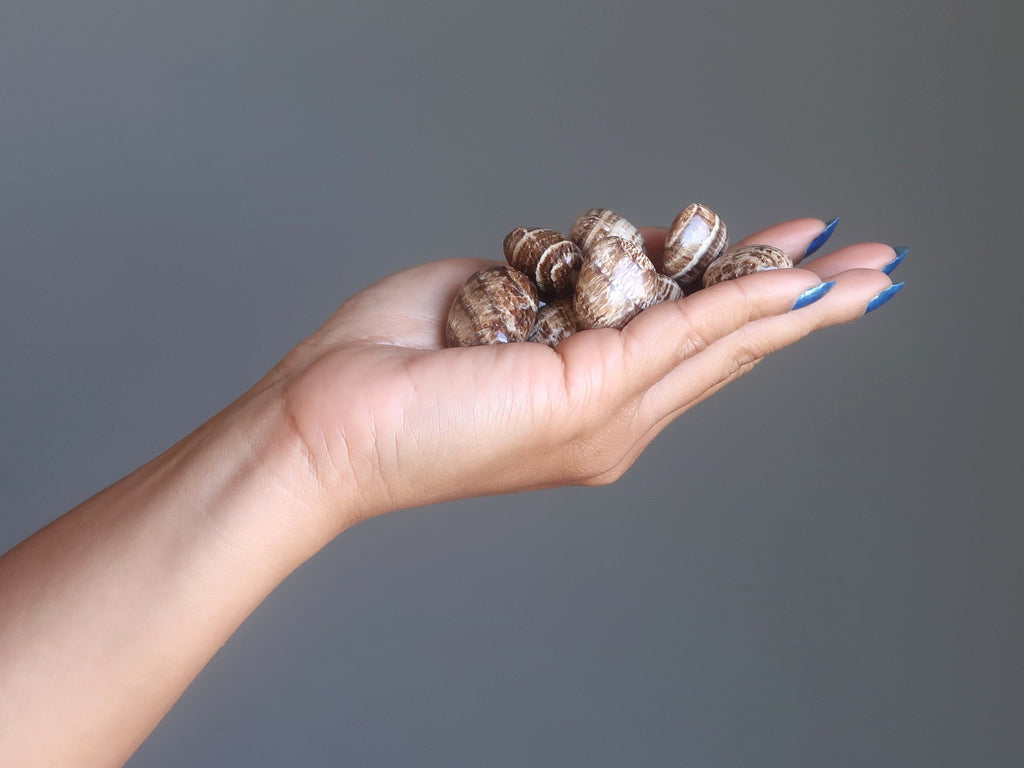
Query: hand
[
  {"x": 149, "y": 577},
  {"x": 389, "y": 418}
]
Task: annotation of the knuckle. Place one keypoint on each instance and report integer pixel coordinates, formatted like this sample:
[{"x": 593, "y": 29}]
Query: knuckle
[
  {"x": 703, "y": 328},
  {"x": 743, "y": 365},
  {"x": 694, "y": 343},
  {"x": 744, "y": 358},
  {"x": 697, "y": 336}
]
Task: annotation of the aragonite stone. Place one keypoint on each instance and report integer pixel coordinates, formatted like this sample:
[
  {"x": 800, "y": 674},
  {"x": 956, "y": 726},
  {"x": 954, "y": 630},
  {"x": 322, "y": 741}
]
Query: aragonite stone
[
  {"x": 495, "y": 305},
  {"x": 555, "y": 321},
  {"x": 665, "y": 289},
  {"x": 599, "y": 223},
  {"x": 696, "y": 238},
  {"x": 616, "y": 283},
  {"x": 549, "y": 257},
  {"x": 745, "y": 261}
]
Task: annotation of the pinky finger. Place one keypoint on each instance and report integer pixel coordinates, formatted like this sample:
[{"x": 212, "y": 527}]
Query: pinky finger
[{"x": 735, "y": 354}]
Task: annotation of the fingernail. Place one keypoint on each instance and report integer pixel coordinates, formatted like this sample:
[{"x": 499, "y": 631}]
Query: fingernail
[
  {"x": 901, "y": 252},
  {"x": 811, "y": 295},
  {"x": 821, "y": 239},
  {"x": 883, "y": 297}
]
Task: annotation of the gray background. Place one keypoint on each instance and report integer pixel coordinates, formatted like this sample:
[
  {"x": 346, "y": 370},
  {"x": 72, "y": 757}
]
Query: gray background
[{"x": 189, "y": 188}]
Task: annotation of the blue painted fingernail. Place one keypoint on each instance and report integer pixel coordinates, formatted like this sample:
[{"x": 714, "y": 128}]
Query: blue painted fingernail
[
  {"x": 883, "y": 297},
  {"x": 821, "y": 239},
  {"x": 811, "y": 295},
  {"x": 901, "y": 252}
]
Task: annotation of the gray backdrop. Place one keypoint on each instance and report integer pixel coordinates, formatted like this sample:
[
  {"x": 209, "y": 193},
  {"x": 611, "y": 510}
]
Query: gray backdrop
[{"x": 189, "y": 188}]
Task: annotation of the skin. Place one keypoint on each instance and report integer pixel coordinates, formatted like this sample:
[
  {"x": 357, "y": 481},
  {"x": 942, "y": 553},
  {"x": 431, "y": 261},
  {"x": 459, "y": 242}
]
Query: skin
[{"x": 109, "y": 612}]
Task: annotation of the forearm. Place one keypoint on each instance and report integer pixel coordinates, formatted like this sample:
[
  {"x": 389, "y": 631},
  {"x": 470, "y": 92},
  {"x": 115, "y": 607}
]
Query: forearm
[{"x": 108, "y": 613}]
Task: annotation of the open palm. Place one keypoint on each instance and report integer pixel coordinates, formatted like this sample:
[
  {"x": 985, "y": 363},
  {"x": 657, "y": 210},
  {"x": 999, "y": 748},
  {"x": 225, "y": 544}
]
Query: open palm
[{"x": 381, "y": 406}]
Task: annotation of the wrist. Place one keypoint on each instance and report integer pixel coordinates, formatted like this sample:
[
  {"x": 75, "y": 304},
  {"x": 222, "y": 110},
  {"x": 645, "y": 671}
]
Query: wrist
[{"x": 279, "y": 502}]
